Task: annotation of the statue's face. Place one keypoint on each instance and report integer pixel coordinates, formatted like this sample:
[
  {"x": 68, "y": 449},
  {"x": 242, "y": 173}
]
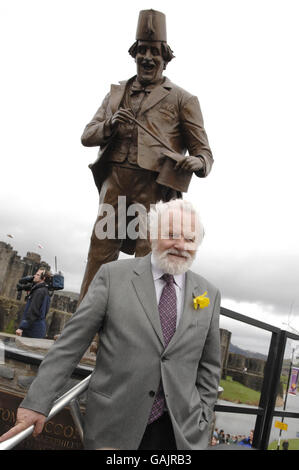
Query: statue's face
[{"x": 149, "y": 60}]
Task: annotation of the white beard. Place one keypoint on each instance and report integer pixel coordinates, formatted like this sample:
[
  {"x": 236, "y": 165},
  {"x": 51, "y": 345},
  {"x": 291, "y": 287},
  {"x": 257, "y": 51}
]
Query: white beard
[{"x": 175, "y": 266}]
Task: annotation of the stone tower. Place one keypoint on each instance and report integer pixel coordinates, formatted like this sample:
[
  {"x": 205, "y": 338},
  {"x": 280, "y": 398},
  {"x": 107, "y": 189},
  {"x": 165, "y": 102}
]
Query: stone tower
[{"x": 13, "y": 268}]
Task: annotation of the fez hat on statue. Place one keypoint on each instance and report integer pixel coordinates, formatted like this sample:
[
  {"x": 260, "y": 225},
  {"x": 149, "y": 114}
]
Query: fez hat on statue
[{"x": 151, "y": 26}]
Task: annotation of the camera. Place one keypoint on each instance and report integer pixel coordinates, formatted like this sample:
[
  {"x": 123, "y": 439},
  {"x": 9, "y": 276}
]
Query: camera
[
  {"x": 25, "y": 283},
  {"x": 54, "y": 282}
]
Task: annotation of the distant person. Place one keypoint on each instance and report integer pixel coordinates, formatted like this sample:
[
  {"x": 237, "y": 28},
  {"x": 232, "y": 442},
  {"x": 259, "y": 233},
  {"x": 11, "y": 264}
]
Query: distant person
[
  {"x": 247, "y": 441},
  {"x": 33, "y": 323},
  {"x": 285, "y": 445},
  {"x": 221, "y": 437},
  {"x": 214, "y": 441}
]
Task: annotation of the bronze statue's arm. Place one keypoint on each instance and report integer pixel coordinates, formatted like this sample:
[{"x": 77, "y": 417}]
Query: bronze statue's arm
[
  {"x": 195, "y": 135},
  {"x": 98, "y": 131},
  {"x": 104, "y": 124}
]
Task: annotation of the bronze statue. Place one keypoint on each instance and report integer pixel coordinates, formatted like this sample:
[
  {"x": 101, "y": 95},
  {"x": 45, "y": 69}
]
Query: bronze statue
[{"x": 144, "y": 127}]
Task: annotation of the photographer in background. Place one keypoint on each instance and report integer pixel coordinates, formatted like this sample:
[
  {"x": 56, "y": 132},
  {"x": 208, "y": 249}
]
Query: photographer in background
[{"x": 33, "y": 324}]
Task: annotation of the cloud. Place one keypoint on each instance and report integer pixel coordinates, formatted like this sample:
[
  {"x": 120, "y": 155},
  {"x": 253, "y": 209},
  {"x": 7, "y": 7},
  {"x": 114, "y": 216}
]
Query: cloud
[{"x": 269, "y": 279}]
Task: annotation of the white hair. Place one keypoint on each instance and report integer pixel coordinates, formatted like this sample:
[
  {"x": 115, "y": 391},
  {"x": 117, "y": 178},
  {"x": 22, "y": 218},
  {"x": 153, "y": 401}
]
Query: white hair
[{"x": 159, "y": 215}]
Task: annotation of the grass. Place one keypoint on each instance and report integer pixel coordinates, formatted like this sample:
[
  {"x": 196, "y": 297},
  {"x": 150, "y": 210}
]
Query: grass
[
  {"x": 293, "y": 444},
  {"x": 238, "y": 393},
  {"x": 11, "y": 327}
]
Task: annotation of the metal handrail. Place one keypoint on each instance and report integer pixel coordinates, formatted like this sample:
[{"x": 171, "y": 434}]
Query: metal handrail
[
  {"x": 68, "y": 398},
  {"x": 264, "y": 412}
]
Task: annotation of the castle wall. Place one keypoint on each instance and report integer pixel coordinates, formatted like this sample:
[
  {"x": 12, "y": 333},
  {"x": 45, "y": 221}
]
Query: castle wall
[
  {"x": 225, "y": 337},
  {"x": 6, "y": 255},
  {"x": 13, "y": 268},
  {"x": 249, "y": 371}
]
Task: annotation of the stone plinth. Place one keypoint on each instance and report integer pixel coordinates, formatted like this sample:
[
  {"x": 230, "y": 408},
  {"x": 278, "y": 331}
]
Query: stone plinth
[{"x": 16, "y": 376}]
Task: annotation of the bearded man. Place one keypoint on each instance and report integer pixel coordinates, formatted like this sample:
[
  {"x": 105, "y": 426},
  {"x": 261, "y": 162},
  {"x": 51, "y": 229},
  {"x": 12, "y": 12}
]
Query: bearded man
[
  {"x": 156, "y": 377},
  {"x": 133, "y": 164}
]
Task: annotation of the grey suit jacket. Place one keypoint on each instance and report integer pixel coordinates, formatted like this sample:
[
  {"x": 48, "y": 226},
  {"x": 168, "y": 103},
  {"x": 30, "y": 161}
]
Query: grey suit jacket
[{"x": 131, "y": 360}]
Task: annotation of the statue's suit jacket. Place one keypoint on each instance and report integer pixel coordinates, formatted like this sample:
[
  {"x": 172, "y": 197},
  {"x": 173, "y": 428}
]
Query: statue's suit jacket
[
  {"x": 121, "y": 304},
  {"x": 171, "y": 113}
]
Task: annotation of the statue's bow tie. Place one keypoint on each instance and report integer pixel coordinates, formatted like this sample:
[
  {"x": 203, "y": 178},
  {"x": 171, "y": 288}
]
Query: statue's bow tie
[{"x": 137, "y": 88}]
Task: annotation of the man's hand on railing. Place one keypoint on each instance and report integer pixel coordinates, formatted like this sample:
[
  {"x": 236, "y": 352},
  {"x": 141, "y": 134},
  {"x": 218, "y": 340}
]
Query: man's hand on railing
[{"x": 25, "y": 419}]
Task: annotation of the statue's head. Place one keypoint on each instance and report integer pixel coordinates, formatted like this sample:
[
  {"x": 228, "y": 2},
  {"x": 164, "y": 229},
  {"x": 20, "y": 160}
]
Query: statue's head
[{"x": 150, "y": 50}]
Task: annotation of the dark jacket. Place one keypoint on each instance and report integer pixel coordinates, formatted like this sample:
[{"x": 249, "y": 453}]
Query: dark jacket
[{"x": 33, "y": 322}]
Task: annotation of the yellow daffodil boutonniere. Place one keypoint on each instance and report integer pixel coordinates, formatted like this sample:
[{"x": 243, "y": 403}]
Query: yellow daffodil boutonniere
[{"x": 201, "y": 301}]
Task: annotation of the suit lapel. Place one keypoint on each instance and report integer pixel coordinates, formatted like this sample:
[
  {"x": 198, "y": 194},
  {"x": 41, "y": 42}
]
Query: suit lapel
[
  {"x": 117, "y": 92},
  {"x": 158, "y": 93},
  {"x": 154, "y": 97},
  {"x": 145, "y": 289}
]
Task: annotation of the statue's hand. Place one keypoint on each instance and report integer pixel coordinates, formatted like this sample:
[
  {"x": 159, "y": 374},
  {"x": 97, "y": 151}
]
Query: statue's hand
[
  {"x": 122, "y": 116},
  {"x": 189, "y": 163}
]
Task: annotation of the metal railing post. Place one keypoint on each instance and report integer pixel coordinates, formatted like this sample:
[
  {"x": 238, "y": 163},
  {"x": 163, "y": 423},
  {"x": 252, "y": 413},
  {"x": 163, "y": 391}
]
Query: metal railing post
[
  {"x": 270, "y": 389},
  {"x": 77, "y": 416}
]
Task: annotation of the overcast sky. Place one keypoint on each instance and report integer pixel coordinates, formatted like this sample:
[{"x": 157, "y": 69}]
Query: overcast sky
[{"x": 240, "y": 57}]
